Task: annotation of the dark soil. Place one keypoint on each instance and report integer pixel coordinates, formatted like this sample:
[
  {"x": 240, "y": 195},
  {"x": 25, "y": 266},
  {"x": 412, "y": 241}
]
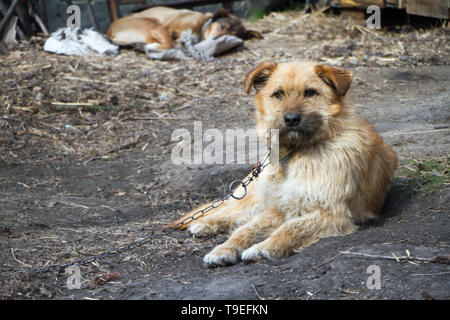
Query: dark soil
[{"x": 79, "y": 181}]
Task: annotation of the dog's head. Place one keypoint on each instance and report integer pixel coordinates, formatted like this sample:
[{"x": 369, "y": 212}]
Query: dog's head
[
  {"x": 303, "y": 100},
  {"x": 224, "y": 23}
]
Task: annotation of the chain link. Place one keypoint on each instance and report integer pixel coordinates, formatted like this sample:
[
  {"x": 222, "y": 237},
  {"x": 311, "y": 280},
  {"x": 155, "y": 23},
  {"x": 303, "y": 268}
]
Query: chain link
[{"x": 257, "y": 169}]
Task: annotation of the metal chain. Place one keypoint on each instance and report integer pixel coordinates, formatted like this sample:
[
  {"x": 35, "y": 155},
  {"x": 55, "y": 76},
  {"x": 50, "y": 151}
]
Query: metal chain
[{"x": 256, "y": 171}]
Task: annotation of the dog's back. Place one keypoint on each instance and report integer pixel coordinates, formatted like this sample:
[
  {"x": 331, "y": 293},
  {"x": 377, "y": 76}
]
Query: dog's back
[{"x": 176, "y": 20}]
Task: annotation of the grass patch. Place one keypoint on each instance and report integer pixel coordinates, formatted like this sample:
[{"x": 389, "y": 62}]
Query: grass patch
[
  {"x": 423, "y": 175},
  {"x": 255, "y": 15}
]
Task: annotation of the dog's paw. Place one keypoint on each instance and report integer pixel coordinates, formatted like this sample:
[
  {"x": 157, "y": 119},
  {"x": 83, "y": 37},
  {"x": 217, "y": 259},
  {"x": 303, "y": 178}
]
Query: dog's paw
[
  {"x": 266, "y": 249},
  {"x": 199, "y": 229},
  {"x": 254, "y": 253},
  {"x": 221, "y": 256}
]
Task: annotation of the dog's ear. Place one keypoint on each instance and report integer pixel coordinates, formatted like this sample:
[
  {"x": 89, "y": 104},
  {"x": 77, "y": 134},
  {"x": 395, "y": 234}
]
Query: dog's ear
[
  {"x": 252, "y": 34},
  {"x": 220, "y": 13},
  {"x": 338, "y": 79},
  {"x": 258, "y": 76}
]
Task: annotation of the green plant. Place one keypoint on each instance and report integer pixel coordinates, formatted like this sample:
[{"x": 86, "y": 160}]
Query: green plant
[
  {"x": 423, "y": 175},
  {"x": 255, "y": 15}
]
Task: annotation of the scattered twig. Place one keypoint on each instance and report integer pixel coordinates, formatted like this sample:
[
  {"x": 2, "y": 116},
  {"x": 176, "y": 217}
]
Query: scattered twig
[
  {"x": 445, "y": 258},
  {"x": 57, "y": 103},
  {"x": 25, "y": 185},
  {"x": 15, "y": 259},
  {"x": 178, "y": 90},
  {"x": 122, "y": 147},
  {"x": 430, "y": 274},
  {"x": 72, "y": 204},
  {"x": 103, "y": 206},
  {"x": 153, "y": 118},
  {"x": 257, "y": 294},
  {"x": 312, "y": 294},
  {"x": 92, "y": 80},
  {"x": 349, "y": 291},
  {"x": 329, "y": 260},
  {"x": 418, "y": 132}
]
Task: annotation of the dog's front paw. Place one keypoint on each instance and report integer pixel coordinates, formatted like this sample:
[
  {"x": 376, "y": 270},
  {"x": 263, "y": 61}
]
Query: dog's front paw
[
  {"x": 254, "y": 253},
  {"x": 222, "y": 256},
  {"x": 262, "y": 250},
  {"x": 200, "y": 229}
]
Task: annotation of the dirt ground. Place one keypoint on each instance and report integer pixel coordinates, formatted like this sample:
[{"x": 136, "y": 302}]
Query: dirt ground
[{"x": 85, "y": 166}]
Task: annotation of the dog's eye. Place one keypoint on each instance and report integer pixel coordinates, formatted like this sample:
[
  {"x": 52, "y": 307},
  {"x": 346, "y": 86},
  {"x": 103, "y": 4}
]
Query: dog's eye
[
  {"x": 278, "y": 94},
  {"x": 310, "y": 93}
]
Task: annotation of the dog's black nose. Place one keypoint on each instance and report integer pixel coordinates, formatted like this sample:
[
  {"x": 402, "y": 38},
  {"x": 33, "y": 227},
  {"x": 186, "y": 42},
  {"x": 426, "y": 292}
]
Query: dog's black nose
[{"x": 292, "y": 119}]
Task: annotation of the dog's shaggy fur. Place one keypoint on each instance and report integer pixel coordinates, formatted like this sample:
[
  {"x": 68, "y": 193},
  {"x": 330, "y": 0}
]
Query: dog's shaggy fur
[{"x": 333, "y": 172}]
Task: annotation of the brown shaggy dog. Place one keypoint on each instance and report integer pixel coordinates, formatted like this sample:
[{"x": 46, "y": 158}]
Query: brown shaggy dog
[{"x": 333, "y": 171}]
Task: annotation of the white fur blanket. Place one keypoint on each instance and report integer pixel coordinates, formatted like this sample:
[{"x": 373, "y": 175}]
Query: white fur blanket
[{"x": 73, "y": 41}]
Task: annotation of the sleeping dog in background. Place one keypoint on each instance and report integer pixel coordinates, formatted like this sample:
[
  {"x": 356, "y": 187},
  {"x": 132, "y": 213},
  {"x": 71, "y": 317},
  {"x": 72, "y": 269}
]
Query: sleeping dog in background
[
  {"x": 333, "y": 171},
  {"x": 163, "y": 27}
]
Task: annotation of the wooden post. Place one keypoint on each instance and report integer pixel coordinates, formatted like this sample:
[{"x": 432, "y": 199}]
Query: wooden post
[
  {"x": 42, "y": 11},
  {"x": 92, "y": 14},
  {"x": 8, "y": 14},
  {"x": 24, "y": 18},
  {"x": 35, "y": 14},
  {"x": 188, "y": 4},
  {"x": 430, "y": 8},
  {"x": 113, "y": 10}
]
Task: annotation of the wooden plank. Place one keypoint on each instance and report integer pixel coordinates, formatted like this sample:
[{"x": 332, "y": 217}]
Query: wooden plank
[
  {"x": 187, "y": 4},
  {"x": 361, "y": 3},
  {"x": 429, "y": 8},
  {"x": 113, "y": 10},
  {"x": 143, "y": 2}
]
